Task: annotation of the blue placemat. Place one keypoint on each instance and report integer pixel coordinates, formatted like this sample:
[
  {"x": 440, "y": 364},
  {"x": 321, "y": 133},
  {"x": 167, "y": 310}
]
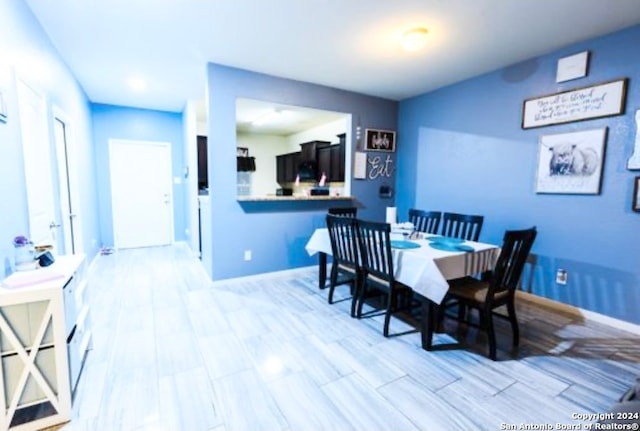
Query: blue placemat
[
  {"x": 404, "y": 244},
  {"x": 447, "y": 246},
  {"x": 445, "y": 239}
]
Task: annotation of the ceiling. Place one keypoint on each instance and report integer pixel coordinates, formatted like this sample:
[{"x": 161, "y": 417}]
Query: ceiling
[
  {"x": 279, "y": 119},
  {"x": 347, "y": 44}
]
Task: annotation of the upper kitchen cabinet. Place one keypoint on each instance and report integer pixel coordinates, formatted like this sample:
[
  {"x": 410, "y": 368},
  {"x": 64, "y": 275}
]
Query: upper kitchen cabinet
[{"x": 331, "y": 162}]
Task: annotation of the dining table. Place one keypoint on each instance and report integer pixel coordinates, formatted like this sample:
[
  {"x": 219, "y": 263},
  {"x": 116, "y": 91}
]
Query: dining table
[{"x": 424, "y": 263}]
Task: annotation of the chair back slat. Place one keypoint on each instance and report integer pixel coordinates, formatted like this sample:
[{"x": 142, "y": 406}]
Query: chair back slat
[
  {"x": 375, "y": 249},
  {"x": 462, "y": 226},
  {"x": 513, "y": 256},
  {"x": 425, "y": 221},
  {"x": 344, "y": 245},
  {"x": 344, "y": 211}
]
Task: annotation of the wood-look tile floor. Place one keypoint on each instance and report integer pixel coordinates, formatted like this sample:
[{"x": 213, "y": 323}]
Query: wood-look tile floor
[{"x": 174, "y": 351}]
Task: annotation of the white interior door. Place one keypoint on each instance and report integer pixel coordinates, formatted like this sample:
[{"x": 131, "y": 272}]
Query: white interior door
[
  {"x": 68, "y": 184},
  {"x": 34, "y": 129},
  {"x": 141, "y": 193}
]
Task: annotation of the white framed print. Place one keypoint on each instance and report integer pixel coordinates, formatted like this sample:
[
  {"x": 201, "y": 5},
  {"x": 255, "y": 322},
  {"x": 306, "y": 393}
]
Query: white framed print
[
  {"x": 572, "y": 67},
  {"x": 571, "y": 163}
]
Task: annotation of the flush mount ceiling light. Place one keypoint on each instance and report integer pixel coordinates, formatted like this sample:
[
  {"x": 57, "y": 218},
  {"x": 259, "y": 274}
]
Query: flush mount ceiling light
[
  {"x": 137, "y": 84},
  {"x": 268, "y": 117},
  {"x": 414, "y": 39}
]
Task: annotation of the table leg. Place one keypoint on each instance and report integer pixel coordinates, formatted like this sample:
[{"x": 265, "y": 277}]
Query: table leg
[{"x": 322, "y": 269}]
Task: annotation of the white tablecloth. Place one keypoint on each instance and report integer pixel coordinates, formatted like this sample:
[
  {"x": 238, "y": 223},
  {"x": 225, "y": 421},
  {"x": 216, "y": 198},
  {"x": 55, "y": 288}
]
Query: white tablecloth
[{"x": 425, "y": 269}]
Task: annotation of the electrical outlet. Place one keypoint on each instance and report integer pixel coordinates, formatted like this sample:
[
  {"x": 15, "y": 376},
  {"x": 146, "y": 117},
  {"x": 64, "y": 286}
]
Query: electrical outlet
[
  {"x": 247, "y": 255},
  {"x": 561, "y": 276}
]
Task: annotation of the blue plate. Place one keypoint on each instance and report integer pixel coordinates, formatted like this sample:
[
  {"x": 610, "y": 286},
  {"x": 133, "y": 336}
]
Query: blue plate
[
  {"x": 445, "y": 239},
  {"x": 446, "y": 246},
  {"x": 404, "y": 244}
]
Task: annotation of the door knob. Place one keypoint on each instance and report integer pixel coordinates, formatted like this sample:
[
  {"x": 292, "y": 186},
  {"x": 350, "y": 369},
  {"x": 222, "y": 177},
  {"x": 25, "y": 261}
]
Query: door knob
[{"x": 54, "y": 225}]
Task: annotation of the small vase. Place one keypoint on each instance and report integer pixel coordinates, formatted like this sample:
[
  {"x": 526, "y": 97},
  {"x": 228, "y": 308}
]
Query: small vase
[{"x": 25, "y": 257}]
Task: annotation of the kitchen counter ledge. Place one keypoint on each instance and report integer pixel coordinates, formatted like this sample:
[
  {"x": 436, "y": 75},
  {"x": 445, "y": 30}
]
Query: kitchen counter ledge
[{"x": 274, "y": 198}]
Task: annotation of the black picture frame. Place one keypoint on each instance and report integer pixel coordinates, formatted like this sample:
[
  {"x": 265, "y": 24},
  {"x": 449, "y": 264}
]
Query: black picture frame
[
  {"x": 635, "y": 205},
  {"x": 380, "y": 140}
]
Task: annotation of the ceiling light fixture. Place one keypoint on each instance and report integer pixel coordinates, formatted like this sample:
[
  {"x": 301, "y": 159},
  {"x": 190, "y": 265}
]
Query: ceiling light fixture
[
  {"x": 267, "y": 117},
  {"x": 137, "y": 84},
  {"x": 414, "y": 39}
]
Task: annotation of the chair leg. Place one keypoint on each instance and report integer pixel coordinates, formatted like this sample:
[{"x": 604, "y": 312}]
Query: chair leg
[
  {"x": 438, "y": 319},
  {"x": 361, "y": 295},
  {"x": 511, "y": 310},
  {"x": 355, "y": 294},
  {"x": 333, "y": 279},
  {"x": 430, "y": 312},
  {"x": 462, "y": 312},
  {"x": 487, "y": 316},
  {"x": 391, "y": 303}
]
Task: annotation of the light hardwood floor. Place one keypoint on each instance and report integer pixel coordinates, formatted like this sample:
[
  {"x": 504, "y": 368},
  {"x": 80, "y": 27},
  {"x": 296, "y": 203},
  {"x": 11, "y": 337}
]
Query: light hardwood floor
[{"x": 174, "y": 351}]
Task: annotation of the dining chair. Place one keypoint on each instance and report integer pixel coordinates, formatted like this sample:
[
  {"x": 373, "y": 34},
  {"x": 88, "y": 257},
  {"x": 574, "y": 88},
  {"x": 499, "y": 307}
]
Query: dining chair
[
  {"x": 497, "y": 289},
  {"x": 344, "y": 211},
  {"x": 462, "y": 226},
  {"x": 345, "y": 268},
  {"x": 425, "y": 221},
  {"x": 377, "y": 268}
]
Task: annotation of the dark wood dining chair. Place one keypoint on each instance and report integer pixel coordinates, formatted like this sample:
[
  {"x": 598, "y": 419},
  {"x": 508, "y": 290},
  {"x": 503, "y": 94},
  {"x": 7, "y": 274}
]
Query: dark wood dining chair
[
  {"x": 377, "y": 268},
  {"x": 425, "y": 221},
  {"x": 345, "y": 268},
  {"x": 496, "y": 289},
  {"x": 463, "y": 226},
  {"x": 344, "y": 211}
]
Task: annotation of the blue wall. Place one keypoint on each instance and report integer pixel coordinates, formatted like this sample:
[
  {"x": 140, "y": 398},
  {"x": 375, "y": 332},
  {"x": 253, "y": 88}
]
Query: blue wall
[
  {"x": 462, "y": 149},
  {"x": 116, "y": 122},
  {"x": 275, "y": 232},
  {"x": 25, "y": 51}
]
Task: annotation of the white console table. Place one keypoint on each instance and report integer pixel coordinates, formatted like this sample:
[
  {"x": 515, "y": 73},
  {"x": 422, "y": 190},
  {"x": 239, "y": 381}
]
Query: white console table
[{"x": 45, "y": 334}]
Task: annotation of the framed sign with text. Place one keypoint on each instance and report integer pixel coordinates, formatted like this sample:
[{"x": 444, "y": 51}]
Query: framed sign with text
[{"x": 595, "y": 101}]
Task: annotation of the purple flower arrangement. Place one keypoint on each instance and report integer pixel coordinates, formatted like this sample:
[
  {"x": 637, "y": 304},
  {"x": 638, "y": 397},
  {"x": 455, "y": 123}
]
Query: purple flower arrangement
[{"x": 21, "y": 241}]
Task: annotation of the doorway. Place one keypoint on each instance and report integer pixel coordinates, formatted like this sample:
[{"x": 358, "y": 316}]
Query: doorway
[
  {"x": 141, "y": 193},
  {"x": 39, "y": 181},
  {"x": 68, "y": 193}
]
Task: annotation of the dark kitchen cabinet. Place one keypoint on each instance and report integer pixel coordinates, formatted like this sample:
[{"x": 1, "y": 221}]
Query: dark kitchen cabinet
[
  {"x": 309, "y": 150},
  {"x": 287, "y": 167},
  {"x": 337, "y": 163},
  {"x": 324, "y": 162},
  {"x": 331, "y": 162}
]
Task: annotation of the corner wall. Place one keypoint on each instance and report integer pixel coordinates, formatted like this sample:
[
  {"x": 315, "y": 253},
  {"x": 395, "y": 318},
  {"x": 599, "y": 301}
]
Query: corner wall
[
  {"x": 27, "y": 52},
  {"x": 117, "y": 122},
  {"x": 276, "y": 232},
  {"x": 462, "y": 149}
]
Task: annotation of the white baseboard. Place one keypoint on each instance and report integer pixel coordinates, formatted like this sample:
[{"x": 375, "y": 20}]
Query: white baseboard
[
  {"x": 266, "y": 275},
  {"x": 576, "y": 311}
]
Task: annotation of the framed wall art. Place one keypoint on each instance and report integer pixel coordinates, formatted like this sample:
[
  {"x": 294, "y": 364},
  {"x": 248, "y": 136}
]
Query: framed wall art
[
  {"x": 380, "y": 140},
  {"x": 572, "y": 67},
  {"x": 636, "y": 195},
  {"x": 595, "y": 101},
  {"x": 571, "y": 163}
]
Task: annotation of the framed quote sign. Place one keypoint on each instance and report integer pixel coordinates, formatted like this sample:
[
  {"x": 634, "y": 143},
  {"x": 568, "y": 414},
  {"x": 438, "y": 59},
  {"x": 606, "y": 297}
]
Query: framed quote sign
[{"x": 596, "y": 101}]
